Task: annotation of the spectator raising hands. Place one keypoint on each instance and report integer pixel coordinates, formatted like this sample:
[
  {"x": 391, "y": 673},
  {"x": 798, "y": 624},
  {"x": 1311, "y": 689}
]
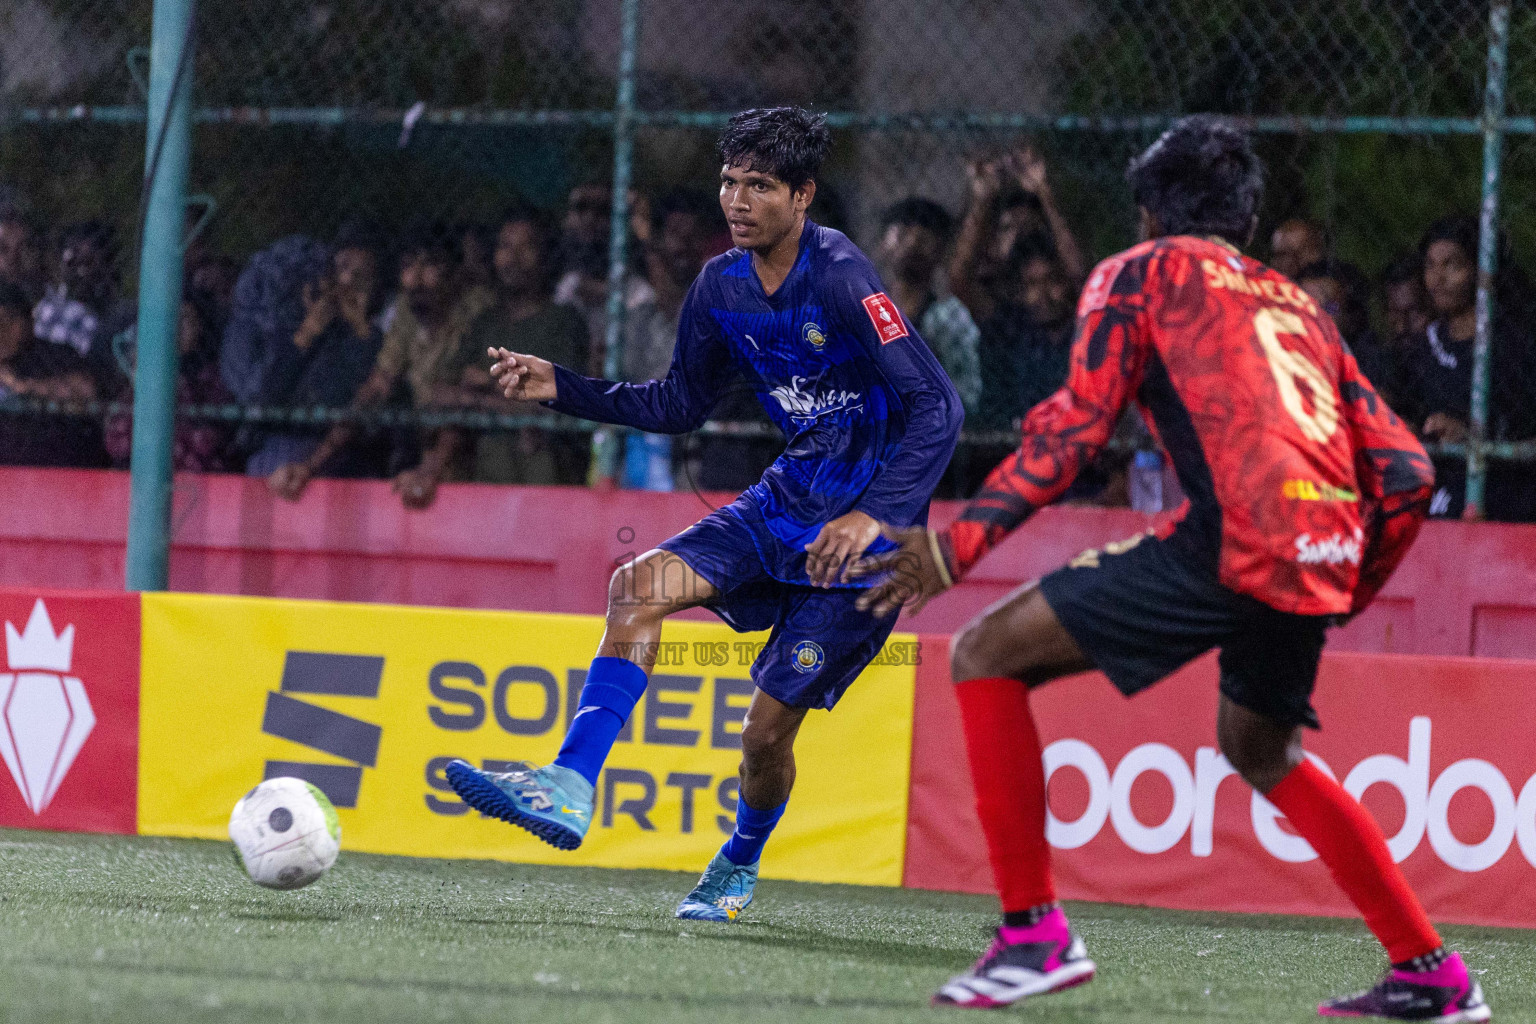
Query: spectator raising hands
[
  {"x": 288, "y": 343},
  {"x": 427, "y": 325},
  {"x": 344, "y": 295},
  {"x": 1027, "y": 167},
  {"x": 1020, "y": 288},
  {"x": 1011, "y": 201}
]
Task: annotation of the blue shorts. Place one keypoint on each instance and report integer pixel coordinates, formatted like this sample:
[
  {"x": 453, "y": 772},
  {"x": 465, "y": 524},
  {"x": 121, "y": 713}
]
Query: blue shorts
[{"x": 820, "y": 641}]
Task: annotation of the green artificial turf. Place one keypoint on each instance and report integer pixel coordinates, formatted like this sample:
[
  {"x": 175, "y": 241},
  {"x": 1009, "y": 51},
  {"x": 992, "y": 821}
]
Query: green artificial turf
[{"x": 96, "y": 928}]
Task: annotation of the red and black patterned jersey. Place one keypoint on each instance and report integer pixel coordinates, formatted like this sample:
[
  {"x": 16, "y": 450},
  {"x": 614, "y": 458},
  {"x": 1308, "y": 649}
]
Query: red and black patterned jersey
[{"x": 1303, "y": 489}]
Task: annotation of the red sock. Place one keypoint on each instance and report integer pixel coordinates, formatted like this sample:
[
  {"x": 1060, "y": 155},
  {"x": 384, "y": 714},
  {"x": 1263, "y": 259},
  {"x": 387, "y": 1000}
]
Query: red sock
[
  {"x": 1350, "y": 843},
  {"x": 1004, "y": 748}
]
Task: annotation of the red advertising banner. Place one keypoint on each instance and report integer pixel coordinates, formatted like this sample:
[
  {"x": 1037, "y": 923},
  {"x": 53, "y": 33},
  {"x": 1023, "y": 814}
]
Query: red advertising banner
[
  {"x": 69, "y": 711},
  {"x": 1145, "y": 810}
]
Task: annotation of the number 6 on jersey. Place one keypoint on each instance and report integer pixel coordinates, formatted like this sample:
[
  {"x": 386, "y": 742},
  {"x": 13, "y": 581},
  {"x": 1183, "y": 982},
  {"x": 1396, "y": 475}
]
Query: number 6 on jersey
[{"x": 1290, "y": 367}]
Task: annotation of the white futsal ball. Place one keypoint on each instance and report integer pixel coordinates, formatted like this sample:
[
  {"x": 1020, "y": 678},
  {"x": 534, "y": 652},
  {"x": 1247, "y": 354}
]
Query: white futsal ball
[{"x": 286, "y": 833}]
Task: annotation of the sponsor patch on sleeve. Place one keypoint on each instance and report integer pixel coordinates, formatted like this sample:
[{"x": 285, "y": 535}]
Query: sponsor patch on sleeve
[
  {"x": 1096, "y": 291},
  {"x": 886, "y": 318}
]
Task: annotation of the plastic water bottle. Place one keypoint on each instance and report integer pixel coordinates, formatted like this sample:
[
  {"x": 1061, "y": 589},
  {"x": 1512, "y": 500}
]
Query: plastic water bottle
[
  {"x": 1146, "y": 482},
  {"x": 648, "y": 462}
]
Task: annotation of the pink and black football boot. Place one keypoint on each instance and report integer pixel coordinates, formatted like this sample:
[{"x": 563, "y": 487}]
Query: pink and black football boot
[
  {"x": 1448, "y": 994},
  {"x": 1045, "y": 957}
]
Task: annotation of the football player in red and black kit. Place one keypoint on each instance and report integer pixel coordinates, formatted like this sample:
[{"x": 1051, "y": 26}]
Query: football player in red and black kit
[{"x": 1304, "y": 493}]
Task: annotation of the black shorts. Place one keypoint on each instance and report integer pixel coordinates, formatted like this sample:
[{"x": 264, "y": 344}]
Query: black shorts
[{"x": 1144, "y": 607}]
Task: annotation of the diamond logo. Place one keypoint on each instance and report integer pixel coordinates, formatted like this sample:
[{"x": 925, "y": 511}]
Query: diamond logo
[{"x": 45, "y": 715}]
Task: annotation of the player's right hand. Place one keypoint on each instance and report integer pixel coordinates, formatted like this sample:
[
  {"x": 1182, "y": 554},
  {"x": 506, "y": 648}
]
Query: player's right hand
[
  {"x": 909, "y": 575},
  {"x": 522, "y": 377},
  {"x": 289, "y": 481}
]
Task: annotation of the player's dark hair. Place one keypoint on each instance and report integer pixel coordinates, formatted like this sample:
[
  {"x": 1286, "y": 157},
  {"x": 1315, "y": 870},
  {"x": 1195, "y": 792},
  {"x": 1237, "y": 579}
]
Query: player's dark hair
[
  {"x": 1461, "y": 230},
  {"x": 428, "y": 241},
  {"x": 922, "y": 213},
  {"x": 359, "y": 234},
  {"x": 787, "y": 142},
  {"x": 1407, "y": 268},
  {"x": 1201, "y": 177},
  {"x": 14, "y": 300},
  {"x": 93, "y": 232},
  {"x": 526, "y": 213}
]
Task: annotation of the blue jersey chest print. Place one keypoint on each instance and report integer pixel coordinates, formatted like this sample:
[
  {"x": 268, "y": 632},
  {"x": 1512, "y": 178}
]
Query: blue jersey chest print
[{"x": 805, "y": 373}]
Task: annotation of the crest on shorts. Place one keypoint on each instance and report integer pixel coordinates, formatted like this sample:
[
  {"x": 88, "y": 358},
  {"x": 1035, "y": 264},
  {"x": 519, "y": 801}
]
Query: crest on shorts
[
  {"x": 807, "y": 657},
  {"x": 813, "y": 336}
]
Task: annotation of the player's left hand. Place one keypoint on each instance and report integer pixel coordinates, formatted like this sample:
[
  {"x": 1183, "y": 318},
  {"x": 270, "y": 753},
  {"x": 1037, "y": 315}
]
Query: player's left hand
[
  {"x": 1442, "y": 426},
  {"x": 912, "y": 575},
  {"x": 838, "y": 543},
  {"x": 416, "y": 488}
]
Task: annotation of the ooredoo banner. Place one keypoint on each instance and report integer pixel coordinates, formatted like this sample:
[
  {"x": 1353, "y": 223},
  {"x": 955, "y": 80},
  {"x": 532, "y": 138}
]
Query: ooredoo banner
[
  {"x": 1144, "y": 809},
  {"x": 371, "y": 702},
  {"x": 69, "y": 710}
]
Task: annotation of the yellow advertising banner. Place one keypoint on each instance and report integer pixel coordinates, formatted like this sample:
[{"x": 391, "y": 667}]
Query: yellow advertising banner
[{"x": 371, "y": 702}]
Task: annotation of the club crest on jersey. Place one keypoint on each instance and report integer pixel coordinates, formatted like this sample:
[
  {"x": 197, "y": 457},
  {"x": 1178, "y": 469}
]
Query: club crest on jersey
[
  {"x": 812, "y": 334},
  {"x": 886, "y": 318},
  {"x": 807, "y": 657}
]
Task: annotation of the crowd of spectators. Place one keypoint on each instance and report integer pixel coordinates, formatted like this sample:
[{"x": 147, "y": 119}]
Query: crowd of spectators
[{"x": 367, "y": 321}]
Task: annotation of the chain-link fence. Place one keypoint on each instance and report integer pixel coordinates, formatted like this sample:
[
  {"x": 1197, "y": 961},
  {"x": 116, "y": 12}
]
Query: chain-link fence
[{"x": 1376, "y": 120}]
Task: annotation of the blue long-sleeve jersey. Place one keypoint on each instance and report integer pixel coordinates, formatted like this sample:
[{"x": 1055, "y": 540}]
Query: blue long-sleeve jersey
[{"x": 870, "y": 417}]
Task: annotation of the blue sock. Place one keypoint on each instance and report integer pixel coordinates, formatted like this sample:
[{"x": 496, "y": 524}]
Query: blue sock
[
  {"x": 753, "y": 827},
  {"x": 613, "y": 687}
]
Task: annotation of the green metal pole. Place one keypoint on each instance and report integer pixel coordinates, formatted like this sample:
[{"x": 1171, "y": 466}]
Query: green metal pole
[
  {"x": 167, "y": 156},
  {"x": 1487, "y": 253},
  {"x": 606, "y": 442}
]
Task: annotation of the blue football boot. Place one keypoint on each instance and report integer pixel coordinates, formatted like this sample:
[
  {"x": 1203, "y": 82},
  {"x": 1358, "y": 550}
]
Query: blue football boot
[
  {"x": 552, "y": 802},
  {"x": 724, "y": 891}
]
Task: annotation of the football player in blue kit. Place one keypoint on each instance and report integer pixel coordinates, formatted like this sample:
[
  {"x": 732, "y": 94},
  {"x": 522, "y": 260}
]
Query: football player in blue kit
[{"x": 797, "y": 312}]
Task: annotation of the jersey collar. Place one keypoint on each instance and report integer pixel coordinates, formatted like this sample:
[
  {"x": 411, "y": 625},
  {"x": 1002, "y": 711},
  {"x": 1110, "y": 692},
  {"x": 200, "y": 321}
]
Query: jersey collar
[{"x": 801, "y": 256}]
